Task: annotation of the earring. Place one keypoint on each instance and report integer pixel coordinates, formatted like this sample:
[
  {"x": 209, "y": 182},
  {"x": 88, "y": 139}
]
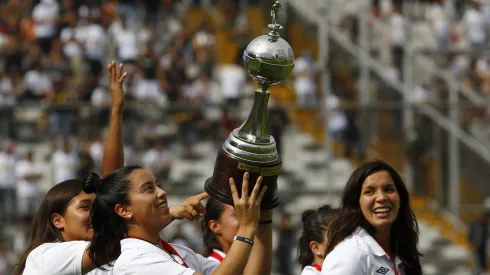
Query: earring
[
  {"x": 318, "y": 253},
  {"x": 130, "y": 216}
]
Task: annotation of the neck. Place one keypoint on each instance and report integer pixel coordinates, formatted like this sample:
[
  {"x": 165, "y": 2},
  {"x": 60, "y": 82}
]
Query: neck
[
  {"x": 224, "y": 245},
  {"x": 137, "y": 232},
  {"x": 318, "y": 260},
  {"x": 384, "y": 237}
]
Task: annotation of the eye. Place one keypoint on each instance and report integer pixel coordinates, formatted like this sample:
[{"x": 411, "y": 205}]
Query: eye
[
  {"x": 390, "y": 189},
  {"x": 159, "y": 184},
  {"x": 147, "y": 188},
  {"x": 368, "y": 192},
  {"x": 85, "y": 206}
]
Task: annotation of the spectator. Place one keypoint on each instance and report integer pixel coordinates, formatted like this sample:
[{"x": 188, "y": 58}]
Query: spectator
[
  {"x": 45, "y": 15},
  {"x": 398, "y": 24},
  {"x": 86, "y": 163},
  {"x": 8, "y": 190},
  {"x": 476, "y": 28},
  {"x": 286, "y": 242},
  {"x": 440, "y": 21},
  {"x": 38, "y": 82},
  {"x": 158, "y": 160},
  {"x": 337, "y": 121},
  {"x": 304, "y": 80},
  {"x": 64, "y": 164},
  {"x": 28, "y": 175},
  {"x": 233, "y": 79},
  {"x": 478, "y": 237},
  {"x": 126, "y": 41}
]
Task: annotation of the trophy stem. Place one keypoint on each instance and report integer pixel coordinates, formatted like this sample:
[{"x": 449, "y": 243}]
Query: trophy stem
[{"x": 255, "y": 128}]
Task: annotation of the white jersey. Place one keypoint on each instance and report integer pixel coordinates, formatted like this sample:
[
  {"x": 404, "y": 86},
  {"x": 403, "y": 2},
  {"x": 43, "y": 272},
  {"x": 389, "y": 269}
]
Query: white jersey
[
  {"x": 139, "y": 257},
  {"x": 59, "y": 259},
  {"x": 360, "y": 254},
  {"x": 310, "y": 270}
]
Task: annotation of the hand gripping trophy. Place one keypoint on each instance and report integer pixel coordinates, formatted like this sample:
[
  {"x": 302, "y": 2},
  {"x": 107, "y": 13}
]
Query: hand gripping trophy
[{"x": 269, "y": 60}]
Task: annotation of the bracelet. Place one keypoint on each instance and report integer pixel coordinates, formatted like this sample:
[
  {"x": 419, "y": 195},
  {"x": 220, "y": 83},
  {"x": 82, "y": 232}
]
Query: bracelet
[
  {"x": 243, "y": 239},
  {"x": 265, "y": 222}
]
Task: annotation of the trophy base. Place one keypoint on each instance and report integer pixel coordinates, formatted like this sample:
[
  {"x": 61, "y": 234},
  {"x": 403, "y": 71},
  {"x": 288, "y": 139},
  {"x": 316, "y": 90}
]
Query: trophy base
[{"x": 227, "y": 166}]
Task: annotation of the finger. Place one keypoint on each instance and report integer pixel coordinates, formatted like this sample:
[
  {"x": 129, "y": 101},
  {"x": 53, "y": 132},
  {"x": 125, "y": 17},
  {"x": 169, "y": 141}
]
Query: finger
[
  {"x": 202, "y": 196},
  {"x": 194, "y": 213},
  {"x": 119, "y": 73},
  {"x": 200, "y": 208},
  {"x": 109, "y": 70},
  {"x": 234, "y": 192},
  {"x": 114, "y": 70},
  {"x": 246, "y": 176},
  {"x": 256, "y": 190},
  {"x": 123, "y": 77},
  {"x": 261, "y": 195},
  {"x": 188, "y": 216}
]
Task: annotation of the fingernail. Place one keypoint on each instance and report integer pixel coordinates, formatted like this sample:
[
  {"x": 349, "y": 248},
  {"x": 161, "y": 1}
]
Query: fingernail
[
  {"x": 246, "y": 174},
  {"x": 230, "y": 180}
]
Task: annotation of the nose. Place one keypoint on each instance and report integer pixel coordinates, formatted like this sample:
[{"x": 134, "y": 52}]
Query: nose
[
  {"x": 381, "y": 196},
  {"x": 161, "y": 193}
]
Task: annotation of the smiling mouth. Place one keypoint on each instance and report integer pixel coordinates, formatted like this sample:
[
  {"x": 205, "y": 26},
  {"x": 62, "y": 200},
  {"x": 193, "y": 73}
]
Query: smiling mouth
[
  {"x": 382, "y": 210},
  {"x": 163, "y": 204}
]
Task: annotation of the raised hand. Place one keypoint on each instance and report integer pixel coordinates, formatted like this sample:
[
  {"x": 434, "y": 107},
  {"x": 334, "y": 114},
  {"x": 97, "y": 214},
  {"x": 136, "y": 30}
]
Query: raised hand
[
  {"x": 191, "y": 208},
  {"x": 247, "y": 208},
  {"x": 116, "y": 79}
]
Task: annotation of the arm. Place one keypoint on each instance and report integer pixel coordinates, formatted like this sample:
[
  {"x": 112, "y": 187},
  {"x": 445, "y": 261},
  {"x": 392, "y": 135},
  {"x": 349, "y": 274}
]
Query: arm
[
  {"x": 113, "y": 158},
  {"x": 260, "y": 261}
]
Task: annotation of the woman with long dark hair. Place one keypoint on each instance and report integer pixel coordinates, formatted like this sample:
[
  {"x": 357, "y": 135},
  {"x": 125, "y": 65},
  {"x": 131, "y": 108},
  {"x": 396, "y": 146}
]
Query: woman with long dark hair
[
  {"x": 61, "y": 229},
  {"x": 131, "y": 209},
  {"x": 313, "y": 240},
  {"x": 376, "y": 231}
]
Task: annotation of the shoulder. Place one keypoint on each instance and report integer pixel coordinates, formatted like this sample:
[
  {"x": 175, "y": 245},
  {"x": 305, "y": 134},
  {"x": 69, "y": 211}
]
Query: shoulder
[
  {"x": 309, "y": 270},
  {"x": 348, "y": 258},
  {"x": 57, "y": 258}
]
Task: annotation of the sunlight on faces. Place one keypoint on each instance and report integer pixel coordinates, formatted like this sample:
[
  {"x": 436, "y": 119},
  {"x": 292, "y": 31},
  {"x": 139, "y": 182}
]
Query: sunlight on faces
[
  {"x": 75, "y": 223},
  {"x": 148, "y": 201},
  {"x": 227, "y": 226},
  {"x": 379, "y": 200}
]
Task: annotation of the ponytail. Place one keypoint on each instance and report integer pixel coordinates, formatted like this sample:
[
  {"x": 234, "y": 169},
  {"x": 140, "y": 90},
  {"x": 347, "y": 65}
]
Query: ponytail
[
  {"x": 315, "y": 224},
  {"x": 109, "y": 227}
]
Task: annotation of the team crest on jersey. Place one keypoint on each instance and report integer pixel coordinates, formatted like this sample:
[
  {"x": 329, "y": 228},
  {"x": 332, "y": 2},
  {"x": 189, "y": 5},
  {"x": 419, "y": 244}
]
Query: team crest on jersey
[{"x": 382, "y": 270}]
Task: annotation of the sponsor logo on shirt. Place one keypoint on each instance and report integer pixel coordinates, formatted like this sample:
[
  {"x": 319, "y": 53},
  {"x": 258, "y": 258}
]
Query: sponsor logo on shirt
[{"x": 382, "y": 270}]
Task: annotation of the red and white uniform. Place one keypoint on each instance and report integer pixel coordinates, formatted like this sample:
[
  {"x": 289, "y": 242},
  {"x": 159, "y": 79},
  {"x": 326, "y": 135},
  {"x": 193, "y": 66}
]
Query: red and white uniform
[
  {"x": 361, "y": 254},
  {"x": 217, "y": 256},
  {"x": 139, "y": 257},
  {"x": 64, "y": 258},
  {"x": 312, "y": 270}
]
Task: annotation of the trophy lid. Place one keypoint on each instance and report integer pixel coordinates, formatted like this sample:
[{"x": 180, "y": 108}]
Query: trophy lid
[{"x": 269, "y": 59}]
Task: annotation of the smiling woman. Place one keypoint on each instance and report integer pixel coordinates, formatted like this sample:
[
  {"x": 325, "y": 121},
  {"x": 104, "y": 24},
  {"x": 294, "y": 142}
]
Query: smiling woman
[{"x": 376, "y": 231}]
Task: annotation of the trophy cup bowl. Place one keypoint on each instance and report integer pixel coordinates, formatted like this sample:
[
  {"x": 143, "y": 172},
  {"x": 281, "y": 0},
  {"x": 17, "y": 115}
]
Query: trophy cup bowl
[{"x": 269, "y": 60}]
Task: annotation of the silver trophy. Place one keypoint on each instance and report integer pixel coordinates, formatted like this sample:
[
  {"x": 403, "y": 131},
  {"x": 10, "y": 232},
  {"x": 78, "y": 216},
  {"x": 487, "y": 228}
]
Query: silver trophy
[{"x": 269, "y": 60}]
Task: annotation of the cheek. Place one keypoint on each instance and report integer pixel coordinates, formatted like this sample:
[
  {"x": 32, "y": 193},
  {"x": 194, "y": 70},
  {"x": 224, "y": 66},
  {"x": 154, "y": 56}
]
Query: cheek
[{"x": 366, "y": 204}]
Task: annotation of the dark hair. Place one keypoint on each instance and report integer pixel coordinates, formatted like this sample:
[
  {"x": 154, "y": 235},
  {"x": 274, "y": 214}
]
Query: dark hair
[
  {"x": 43, "y": 230},
  {"x": 214, "y": 210},
  {"x": 315, "y": 224},
  {"x": 405, "y": 230},
  {"x": 109, "y": 227}
]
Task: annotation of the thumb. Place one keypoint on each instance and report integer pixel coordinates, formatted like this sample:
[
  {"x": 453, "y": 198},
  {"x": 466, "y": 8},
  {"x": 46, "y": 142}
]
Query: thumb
[{"x": 202, "y": 196}]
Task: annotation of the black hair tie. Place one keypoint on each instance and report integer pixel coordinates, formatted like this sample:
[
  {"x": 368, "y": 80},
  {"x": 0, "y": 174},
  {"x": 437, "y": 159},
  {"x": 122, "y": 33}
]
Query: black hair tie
[{"x": 92, "y": 183}]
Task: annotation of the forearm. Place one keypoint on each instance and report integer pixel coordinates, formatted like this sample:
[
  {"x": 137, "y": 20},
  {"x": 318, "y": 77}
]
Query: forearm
[
  {"x": 113, "y": 158},
  {"x": 260, "y": 261},
  {"x": 238, "y": 255}
]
